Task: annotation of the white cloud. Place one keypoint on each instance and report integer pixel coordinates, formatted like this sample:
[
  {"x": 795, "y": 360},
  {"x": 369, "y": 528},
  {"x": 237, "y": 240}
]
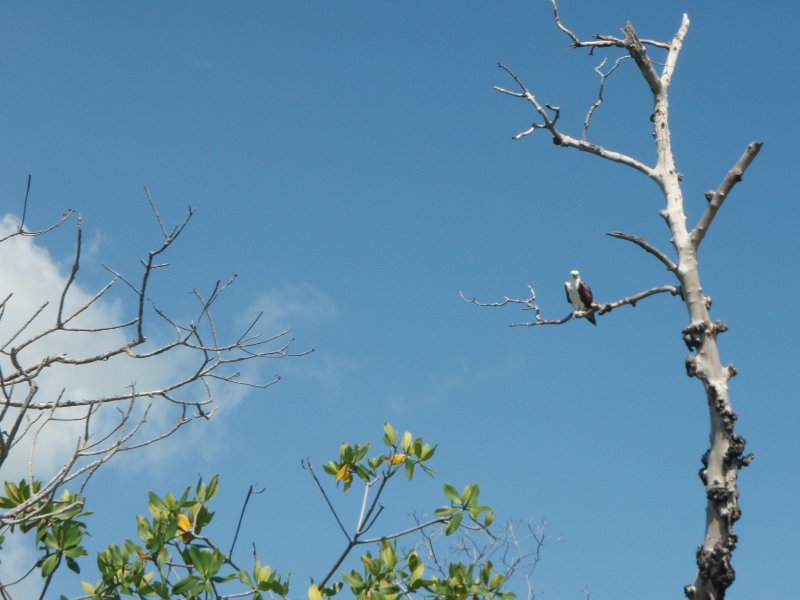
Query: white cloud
[
  {"x": 16, "y": 559},
  {"x": 35, "y": 279},
  {"x": 289, "y": 305}
]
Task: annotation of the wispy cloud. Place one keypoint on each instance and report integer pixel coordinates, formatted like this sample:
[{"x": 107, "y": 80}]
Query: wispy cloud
[
  {"x": 290, "y": 305},
  {"x": 36, "y": 279}
]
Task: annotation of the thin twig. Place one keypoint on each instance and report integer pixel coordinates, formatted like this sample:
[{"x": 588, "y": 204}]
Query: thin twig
[
  {"x": 250, "y": 492},
  {"x": 21, "y": 227}
]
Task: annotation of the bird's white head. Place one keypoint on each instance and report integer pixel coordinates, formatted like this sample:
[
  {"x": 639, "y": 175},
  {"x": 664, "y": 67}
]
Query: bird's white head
[{"x": 574, "y": 274}]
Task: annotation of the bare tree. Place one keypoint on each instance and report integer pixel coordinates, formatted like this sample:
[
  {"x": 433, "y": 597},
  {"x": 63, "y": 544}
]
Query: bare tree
[
  {"x": 41, "y": 391},
  {"x": 725, "y": 457}
]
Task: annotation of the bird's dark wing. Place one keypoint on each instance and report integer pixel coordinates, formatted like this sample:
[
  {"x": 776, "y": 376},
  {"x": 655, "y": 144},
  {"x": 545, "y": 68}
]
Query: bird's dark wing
[
  {"x": 566, "y": 290},
  {"x": 585, "y": 293}
]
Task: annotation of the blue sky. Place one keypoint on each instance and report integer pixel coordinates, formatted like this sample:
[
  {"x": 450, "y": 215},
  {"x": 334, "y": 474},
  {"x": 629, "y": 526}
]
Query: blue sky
[{"x": 351, "y": 163}]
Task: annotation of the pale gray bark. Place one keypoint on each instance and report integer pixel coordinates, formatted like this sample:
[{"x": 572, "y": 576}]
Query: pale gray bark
[{"x": 725, "y": 457}]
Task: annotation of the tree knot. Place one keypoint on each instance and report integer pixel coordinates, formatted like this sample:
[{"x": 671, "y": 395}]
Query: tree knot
[
  {"x": 715, "y": 566},
  {"x": 691, "y": 366},
  {"x": 694, "y": 335}
]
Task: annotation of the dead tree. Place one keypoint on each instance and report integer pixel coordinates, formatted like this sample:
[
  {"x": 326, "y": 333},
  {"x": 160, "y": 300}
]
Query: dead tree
[
  {"x": 41, "y": 382},
  {"x": 725, "y": 457}
]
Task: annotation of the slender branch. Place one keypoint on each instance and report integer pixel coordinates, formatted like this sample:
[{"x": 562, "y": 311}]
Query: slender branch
[
  {"x": 599, "y": 309},
  {"x": 674, "y": 50},
  {"x": 155, "y": 212},
  {"x": 599, "y": 101},
  {"x": 21, "y": 226},
  {"x": 562, "y": 139},
  {"x": 600, "y": 41},
  {"x": 250, "y": 492},
  {"x": 633, "y": 300},
  {"x": 398, "y": 534},
  {"x": 717, "y": 197},
  {"x": 73, "y": 272},
  {"x": 647, "y": 247},
  {"x": 308, "y": 467}
]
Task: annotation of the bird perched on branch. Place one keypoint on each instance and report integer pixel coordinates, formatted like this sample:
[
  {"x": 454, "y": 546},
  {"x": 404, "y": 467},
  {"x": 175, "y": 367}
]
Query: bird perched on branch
[{"x": 580, "y": 296}]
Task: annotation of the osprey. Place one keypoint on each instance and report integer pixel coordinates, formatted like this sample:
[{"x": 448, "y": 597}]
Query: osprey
[{"x": 580, "y": 296}]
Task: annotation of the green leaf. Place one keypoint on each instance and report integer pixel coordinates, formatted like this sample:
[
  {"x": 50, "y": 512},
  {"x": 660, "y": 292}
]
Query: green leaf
[
  {"x": 427, "y": 452},
  {"x": 416, "y": 448},
  {"x": 390, "y": 438},
  {"x": 388, "y": 554},
  {"x": 488, "y": 519},
  {"x": 417, "y": 572},
  {"x": 409, "y": 466},
  {"x": 405, "y": 443},
  {"x": 72, "y": 565},
  {"x": 211, "y": 490},
  {"x": 453, "y": 524},
  {"x": 49, "y": 565},
  {"x": 87, "y": 588},
  {"x": 353, "y": 581},
  {"x": 428, "y": 471},
  {"x": 496, "y": 581},
  {"x": 444, "y": 511},
  {"x": 345, "y": 453},
  {"x": 470, "y": 493},
  {"x": 264, "y": 573},
  {"x": 184, "y": 585},
  {"x": 452, "y": 493},
  {"x": 361, "y": 452},
  {"x": 244, "y": 577}
]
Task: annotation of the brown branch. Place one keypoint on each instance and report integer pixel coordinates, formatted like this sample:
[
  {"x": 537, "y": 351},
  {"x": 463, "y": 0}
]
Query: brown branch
[{"x": 717, "y": 197}]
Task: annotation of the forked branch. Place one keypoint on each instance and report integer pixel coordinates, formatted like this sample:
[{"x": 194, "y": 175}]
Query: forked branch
[
  {"x": 29, "y": 408},
  {"x": 597, "y": 308}
]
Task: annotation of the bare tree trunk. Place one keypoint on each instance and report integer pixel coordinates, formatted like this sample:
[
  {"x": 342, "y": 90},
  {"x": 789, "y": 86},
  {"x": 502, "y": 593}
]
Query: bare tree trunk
[{"x": 722, "y": 461}]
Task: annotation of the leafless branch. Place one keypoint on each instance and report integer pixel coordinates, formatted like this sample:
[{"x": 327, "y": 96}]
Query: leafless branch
[
  {"x": 599, "y": 309},
  {"x": 600, "y": 41},
  {"x": 647, "y": 247},
  {"x": 639, "y": 54},
  {"x": 250, "y": 491},
  {"x": 562, "y": 139},
  {"x": 599, "y": 70},
  {"x": 308, "y": 467},
  {"x": 717, "y": 197},
  {"x": 26, "y": 412}
]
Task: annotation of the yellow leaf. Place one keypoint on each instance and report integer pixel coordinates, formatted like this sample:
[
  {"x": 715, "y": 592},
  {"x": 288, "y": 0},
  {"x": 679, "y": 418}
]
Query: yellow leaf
[
  {"x": 314, "y": 593},
  {"x": 343, "y": 474},
  {"x": 184, "y": 524},
  {"x": 397, "y": 459}
]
